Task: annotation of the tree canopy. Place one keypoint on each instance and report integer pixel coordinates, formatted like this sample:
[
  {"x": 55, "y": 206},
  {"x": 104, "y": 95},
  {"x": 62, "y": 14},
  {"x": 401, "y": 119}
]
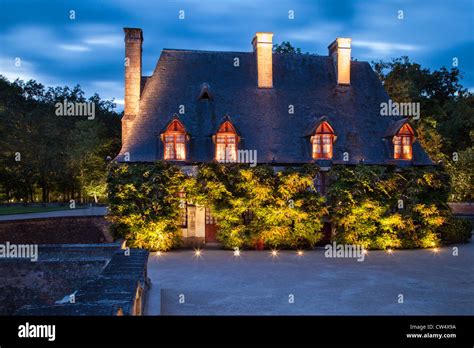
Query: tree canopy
[
  {"x": 286, "y": 47},
  {"x": 45, "y": 157},
  {"x": 445, "y": 128}
]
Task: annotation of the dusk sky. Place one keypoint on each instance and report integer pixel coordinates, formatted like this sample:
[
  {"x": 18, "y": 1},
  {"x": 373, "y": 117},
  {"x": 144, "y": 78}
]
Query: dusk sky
[{"x": 89, "y": 50}]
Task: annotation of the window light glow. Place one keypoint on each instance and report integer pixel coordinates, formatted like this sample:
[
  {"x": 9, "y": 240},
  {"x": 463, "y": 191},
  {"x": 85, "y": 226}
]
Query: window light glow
[
  {"x": 174, "y": 139},
  {"x": 402, "y": 143},
  {"x": 226, "y": 143},
  {"x": 322, "y": 141}
]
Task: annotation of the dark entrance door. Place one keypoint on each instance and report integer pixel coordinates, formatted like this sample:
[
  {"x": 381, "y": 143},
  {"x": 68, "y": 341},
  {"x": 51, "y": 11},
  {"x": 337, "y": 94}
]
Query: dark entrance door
[
  {"x": 326, "y": 234},
  {"x": 211, "y": 227}
]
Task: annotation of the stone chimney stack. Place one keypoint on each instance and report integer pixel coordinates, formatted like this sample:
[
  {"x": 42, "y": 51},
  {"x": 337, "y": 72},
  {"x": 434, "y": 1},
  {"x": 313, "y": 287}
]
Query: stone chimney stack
[
  {"x": 340, "y": 51},
  {"x": 263, "y": 49},
  {"x": 133, "y": 76}
]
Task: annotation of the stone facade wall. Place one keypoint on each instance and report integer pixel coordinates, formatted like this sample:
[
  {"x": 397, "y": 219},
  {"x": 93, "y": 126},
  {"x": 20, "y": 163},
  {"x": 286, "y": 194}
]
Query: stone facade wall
[{"x": 69, "y": 230}]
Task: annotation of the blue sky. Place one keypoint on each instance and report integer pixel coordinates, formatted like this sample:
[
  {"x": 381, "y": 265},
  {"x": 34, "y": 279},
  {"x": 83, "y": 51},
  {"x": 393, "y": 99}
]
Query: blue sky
[{"x": 89, "y": 50}]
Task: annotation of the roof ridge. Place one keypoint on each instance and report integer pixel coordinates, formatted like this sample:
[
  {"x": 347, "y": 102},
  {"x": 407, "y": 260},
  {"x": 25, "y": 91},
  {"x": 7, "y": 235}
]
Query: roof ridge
[{"x": 199, "y": 51}]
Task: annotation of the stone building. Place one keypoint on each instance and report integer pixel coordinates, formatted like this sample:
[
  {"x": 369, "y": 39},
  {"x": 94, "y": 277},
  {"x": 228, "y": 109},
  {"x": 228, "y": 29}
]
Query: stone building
[{"x": 261, "y": 107}]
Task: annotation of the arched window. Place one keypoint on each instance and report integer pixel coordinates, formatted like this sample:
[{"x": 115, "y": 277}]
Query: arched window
[
  {"x": 322, "y": 141},
  {"x": 174, "y": 139},
  {"x": 402, "y": 143},
  {"x": 226, "y": 143}
]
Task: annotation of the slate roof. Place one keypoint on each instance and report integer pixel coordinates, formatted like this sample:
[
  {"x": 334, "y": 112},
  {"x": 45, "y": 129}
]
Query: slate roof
[{"x": 308, "y": 82}]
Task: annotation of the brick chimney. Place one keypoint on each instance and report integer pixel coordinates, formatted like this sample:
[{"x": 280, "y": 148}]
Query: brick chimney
[
  {"x": 263, "y": 49},
  {"x": 133, "y": 76},
  {"x": 340, "y": 51}
]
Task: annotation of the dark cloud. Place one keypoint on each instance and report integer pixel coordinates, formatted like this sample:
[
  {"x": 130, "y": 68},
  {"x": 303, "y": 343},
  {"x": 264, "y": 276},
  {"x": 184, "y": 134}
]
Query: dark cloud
[{"x": 89, "y": 49}]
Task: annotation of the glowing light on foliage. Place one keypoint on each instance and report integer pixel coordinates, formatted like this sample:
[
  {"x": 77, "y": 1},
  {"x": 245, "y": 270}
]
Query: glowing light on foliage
[
  {"x": 251, "y": 205},
  {"x": 363, "y": 205}
]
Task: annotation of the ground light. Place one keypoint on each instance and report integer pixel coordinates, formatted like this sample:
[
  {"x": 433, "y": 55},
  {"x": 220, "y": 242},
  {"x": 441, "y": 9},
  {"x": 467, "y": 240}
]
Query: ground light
[
  {"x": 365, "y": 252},
  {"x": 197, "y": 252},
  {"x": 274, "y": 253},
  {"x": 236, "y": 252},
  {"x": 390, "y": 251},
  {"x": 435, "y": 250},
  {"x": 299, "y": 252}
]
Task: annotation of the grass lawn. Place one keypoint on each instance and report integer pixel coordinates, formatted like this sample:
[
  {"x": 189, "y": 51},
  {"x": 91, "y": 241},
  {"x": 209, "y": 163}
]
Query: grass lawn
[{"x": 31, "y": 209}]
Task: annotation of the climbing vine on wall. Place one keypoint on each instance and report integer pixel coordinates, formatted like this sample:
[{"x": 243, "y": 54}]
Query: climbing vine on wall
[
  {"x": 382, "y": 208},
  {"x": 378, "y": 207},
  {"x": 279, "y": 208}
]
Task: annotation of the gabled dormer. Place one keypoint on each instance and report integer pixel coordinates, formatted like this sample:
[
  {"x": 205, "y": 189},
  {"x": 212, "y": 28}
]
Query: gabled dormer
[
  {"x": 322, "y": 138},
  {"x": 174, "y": 139},
  {"x": 205, "y": 92},
  {"x": 226, "y": 141},
  {"x": 401, "y": 136}
]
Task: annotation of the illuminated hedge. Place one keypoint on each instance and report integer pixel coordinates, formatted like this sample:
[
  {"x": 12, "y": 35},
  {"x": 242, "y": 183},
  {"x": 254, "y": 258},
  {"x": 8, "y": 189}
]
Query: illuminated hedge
[
  {"x": 381, "y": 208},
  {"x": 377, "y": 207}
]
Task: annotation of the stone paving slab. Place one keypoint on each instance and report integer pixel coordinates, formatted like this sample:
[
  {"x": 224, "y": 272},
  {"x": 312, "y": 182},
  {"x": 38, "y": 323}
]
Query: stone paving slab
[{"x": 218, "y": 283}]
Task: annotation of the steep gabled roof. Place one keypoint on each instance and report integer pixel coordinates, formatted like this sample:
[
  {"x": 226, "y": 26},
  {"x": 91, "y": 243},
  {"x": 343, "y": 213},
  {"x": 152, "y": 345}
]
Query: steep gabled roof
[{"x": 306, "y": 82}]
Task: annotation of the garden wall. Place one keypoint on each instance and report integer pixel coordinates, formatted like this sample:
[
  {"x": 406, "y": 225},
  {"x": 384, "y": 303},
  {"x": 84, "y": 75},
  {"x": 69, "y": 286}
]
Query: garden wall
[{"x": 63, "y": 230}]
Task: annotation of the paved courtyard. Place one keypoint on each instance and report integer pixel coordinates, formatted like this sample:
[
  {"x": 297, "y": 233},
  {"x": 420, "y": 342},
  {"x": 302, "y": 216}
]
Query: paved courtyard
[{"x": 218, "y": 283}]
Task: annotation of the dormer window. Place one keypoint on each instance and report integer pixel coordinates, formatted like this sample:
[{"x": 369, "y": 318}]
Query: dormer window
[
  {"x": 205, "y": 93},
  {"x": 322, "y": 141},
  {"x": 402, "y": 143},
  {"x": 174, "y": 140},
  {"x": 226, "y": 140}
]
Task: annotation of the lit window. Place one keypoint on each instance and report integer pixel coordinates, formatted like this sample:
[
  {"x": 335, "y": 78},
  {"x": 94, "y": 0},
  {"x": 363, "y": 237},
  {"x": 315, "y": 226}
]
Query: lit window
[
  {"x": 175, "y": 142},
  {"x": 402, "y": 143},
  {"x": 322, "y": 142},
  {"x": 226, "y": 143}
]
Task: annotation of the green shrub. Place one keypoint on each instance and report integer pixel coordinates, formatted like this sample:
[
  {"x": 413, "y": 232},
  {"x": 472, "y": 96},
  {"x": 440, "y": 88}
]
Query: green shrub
[
  {"x": 455, "y": 230},
  {"x": 281, "y": 209},
  {"x": 374, "y": 206},
  {"x": 144, "y": 204},
  {"x": 380, "y": 208}
]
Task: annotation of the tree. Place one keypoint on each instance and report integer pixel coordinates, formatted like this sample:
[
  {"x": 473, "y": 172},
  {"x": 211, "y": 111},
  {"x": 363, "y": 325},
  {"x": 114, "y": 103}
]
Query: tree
[
  {"x": 447, "y": 115},
  {"x": 286, "y": 47},
  {"x": 49, "y": 158}
]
